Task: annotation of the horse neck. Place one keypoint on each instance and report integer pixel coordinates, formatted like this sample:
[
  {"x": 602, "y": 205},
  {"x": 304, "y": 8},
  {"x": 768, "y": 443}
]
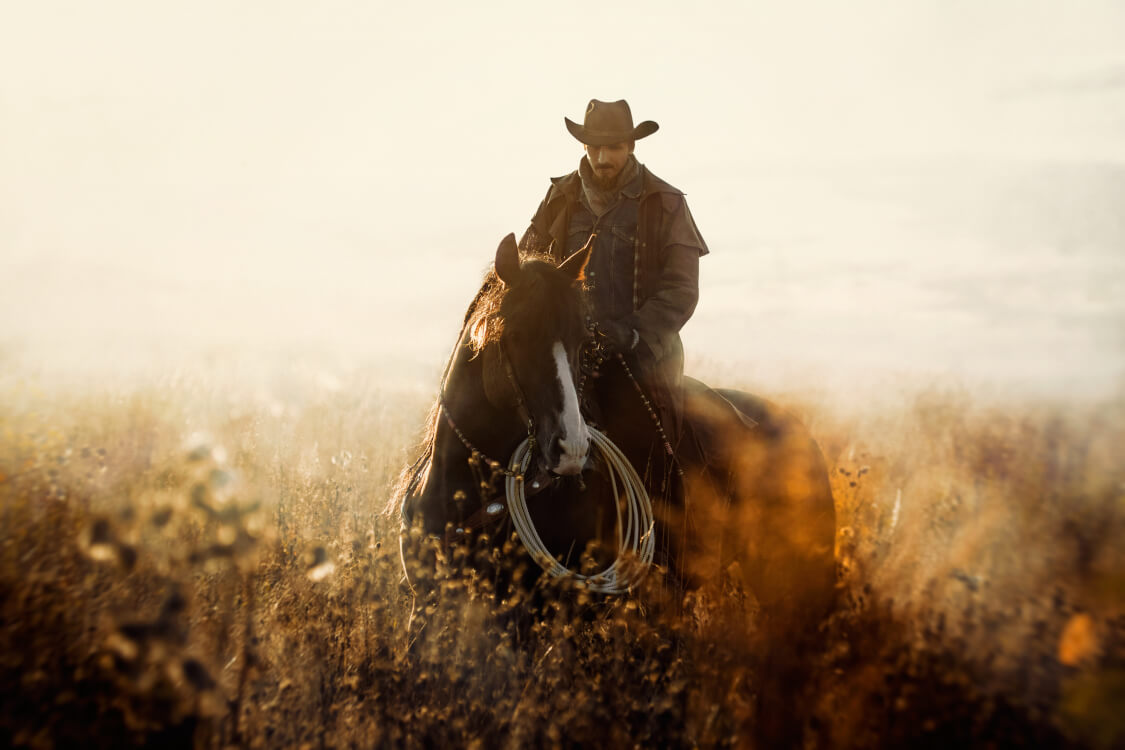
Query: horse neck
[{"x": 493, "y": 430}]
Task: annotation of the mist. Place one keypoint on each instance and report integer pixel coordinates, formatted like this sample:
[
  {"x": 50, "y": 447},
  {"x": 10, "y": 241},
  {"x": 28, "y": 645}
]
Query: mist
[{"x": 929, "y": 193}]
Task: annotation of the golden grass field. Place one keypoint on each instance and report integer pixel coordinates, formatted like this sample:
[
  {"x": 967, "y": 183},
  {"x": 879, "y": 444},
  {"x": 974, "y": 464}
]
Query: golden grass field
[{"x": 191, "y": 564}]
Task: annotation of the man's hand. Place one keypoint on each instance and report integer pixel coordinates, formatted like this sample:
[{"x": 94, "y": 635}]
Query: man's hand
[{"x": 617, "y": 337}]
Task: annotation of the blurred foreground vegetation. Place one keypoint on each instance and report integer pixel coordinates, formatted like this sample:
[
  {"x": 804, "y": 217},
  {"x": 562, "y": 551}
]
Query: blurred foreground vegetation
[{"x": 187, "y": 565}]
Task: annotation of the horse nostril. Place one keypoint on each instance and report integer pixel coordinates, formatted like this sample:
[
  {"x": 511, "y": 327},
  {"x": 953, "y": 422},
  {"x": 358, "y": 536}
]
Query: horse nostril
[{"x": 573, "y": 448}]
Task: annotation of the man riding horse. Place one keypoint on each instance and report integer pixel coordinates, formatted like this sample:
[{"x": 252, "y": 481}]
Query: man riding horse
[
  {"x": 642, "y": 280},
  {"x": 731, "y": 477}
]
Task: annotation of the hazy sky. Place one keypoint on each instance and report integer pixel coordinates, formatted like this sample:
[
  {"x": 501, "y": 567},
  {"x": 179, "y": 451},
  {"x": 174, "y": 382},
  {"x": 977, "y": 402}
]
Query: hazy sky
[{"x": 293, "y": 172}]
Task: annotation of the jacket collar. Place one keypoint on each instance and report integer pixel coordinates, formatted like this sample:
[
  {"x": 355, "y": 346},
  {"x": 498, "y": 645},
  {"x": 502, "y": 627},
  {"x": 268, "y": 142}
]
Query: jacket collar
[{"x": 569, "y": 186}]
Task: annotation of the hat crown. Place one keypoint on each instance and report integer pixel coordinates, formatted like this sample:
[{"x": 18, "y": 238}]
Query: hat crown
[{"x": 605, "y": 118}]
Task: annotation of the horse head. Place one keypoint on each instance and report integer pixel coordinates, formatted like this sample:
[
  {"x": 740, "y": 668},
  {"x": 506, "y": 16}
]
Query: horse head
[
  {"x": 512, "y": 376},
  {"x": 535, "y": 358}
]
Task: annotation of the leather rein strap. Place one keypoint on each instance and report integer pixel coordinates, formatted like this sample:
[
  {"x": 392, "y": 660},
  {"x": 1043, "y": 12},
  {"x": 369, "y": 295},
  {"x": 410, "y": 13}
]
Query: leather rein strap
[{"x": 487, "y": 471}]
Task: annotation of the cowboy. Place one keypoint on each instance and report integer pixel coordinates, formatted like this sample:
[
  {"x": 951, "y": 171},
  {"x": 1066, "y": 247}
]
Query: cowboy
[{"x": 642, "y": 279}]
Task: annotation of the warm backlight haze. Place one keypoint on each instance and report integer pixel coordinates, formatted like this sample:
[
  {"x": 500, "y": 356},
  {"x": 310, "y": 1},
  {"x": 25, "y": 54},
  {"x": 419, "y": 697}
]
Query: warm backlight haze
[
  {"x": 237, "y": 241},
  {"x": 930, "y": 189}
]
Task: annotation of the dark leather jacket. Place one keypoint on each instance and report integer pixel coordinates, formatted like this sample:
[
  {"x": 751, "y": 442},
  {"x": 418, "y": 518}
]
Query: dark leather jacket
[{"x": 666, "y": 252}]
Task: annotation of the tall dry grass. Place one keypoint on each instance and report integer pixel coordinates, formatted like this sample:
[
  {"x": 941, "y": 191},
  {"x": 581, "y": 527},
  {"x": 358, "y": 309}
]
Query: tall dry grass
[{"x": 192, "y": 565}]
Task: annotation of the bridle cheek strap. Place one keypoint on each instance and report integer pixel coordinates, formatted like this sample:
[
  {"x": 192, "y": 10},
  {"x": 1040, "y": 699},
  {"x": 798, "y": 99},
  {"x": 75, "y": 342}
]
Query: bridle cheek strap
[
  {"x": 496, "y": 389},
  {"x": 521, "y": 402}
]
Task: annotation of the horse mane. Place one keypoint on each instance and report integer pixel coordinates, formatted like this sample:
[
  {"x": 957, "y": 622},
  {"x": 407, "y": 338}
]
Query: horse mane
[
  {"x": 482, "y": 320},
  {"x": 481, "y": 326}
]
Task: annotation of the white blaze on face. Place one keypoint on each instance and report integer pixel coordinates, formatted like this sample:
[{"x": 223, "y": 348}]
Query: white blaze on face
[{"x": 575, "y": 440}]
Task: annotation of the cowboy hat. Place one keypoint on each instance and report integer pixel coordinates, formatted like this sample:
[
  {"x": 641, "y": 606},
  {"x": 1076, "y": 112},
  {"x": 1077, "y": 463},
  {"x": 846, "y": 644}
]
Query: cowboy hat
[{"x": 607, "y": 123}]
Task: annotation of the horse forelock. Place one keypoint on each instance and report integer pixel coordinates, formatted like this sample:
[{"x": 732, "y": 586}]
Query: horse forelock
[
  {"x": 543, "y": 298},
  {"x": 546, "y": 304}
]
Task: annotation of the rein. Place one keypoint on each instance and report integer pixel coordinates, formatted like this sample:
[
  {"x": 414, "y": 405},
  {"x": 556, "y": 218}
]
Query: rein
[
  {"x": 521, "y": 406},
  {"x": 491, "y": 509}
]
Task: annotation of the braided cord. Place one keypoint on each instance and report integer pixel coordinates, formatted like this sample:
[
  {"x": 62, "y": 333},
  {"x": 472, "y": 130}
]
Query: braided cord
[{"x": 636, "y": 544}]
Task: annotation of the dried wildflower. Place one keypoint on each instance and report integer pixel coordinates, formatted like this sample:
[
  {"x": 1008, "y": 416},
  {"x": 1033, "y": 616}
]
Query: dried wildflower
[
  {"x": 122, "y": 646},
  {"x": 1079, "y": 641},
  {"x": 174, "y": 604},
  {"x": 971, "y": 582},
  {"x": 221, "y": 478},
  {"x": 126, "y": 556},
  {"x": 99, "y": 533},
  {"x": 318, "y": 566},
  {"x": 197, "y": 675},
  {"x": 198, "y": 447},
  {"x": 199, "y": 497},
  {"x": 99, "y": 542},
  {"x": 160, "y": 517}
]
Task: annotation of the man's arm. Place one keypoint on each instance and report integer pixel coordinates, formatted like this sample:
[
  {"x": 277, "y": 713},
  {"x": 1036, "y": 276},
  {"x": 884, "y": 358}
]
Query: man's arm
[
  {"x": 677, "y": 290},
  {"x": 667, "y": 310}
]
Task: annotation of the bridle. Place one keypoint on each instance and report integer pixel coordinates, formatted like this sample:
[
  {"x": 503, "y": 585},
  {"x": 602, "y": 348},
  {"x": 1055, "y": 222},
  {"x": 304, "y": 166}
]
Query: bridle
[
  {"x": 591, "y": 356},
  {"x": 635, "y": 539},
  {"x": 488, "y": 473}
]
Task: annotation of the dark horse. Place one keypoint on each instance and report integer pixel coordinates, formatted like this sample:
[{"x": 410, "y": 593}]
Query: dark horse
[{"x": 745, "y": 482}]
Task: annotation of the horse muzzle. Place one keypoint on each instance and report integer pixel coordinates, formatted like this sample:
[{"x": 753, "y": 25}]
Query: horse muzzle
[{"x": 572, "y": 455}]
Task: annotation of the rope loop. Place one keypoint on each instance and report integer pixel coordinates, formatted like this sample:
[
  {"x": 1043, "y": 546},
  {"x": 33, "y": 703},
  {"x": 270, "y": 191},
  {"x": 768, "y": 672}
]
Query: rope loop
[{"x": 636, "y": 544}]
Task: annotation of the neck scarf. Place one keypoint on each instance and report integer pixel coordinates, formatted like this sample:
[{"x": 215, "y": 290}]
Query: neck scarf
[{"x": 598, "y": 198}]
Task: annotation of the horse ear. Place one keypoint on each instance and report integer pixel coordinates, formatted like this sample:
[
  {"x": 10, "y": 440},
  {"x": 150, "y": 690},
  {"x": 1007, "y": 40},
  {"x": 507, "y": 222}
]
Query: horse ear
[
  {"x": 575, "y": 265},
  {"x": 508, "y": 260}
]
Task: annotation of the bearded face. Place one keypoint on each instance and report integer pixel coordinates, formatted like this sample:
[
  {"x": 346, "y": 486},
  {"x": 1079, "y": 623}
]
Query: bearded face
[{"x": 608, "y": 161}]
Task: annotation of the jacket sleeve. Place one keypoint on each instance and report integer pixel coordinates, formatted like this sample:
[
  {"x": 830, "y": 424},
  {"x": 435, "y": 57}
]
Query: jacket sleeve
[
  {"x": 677, "y": 291},
  {"x": 665, "y": 312},
  {"x": 537, "y": 237}
]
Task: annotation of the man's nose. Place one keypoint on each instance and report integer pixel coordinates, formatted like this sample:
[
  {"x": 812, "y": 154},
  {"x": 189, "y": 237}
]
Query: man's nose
[{"x": 603, "y": 157}]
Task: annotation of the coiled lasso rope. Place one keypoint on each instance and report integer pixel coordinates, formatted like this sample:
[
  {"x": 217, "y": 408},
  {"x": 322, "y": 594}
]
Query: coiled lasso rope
[{"x": 636, "y": 545}]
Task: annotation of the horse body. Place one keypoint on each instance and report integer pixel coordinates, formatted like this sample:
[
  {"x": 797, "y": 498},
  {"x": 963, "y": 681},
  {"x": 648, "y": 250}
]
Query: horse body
[{"x": 754, "y": 486}]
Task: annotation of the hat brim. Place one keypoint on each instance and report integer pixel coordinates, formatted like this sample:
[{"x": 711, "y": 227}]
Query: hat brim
[{"x": 591, "y": 138}]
